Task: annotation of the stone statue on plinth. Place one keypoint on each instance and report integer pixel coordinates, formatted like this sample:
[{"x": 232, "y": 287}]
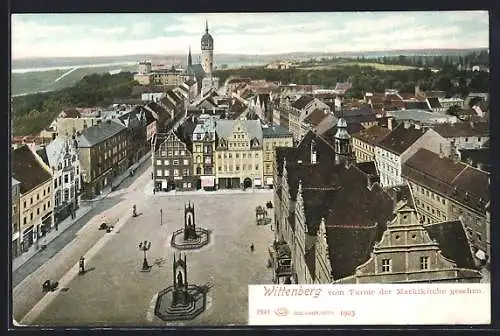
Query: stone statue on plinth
[
  {"x": 181, "y": 296},
  {"x": 189, "y": 222}
]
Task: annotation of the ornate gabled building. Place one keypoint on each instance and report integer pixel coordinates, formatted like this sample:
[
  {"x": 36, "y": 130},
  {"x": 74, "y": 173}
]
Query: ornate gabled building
[
  {"x": 172, "y": 163},
  {"x": 203, "y": 139},
  {"x": 63, "y": 159},
  {"x": 239, "y": 154},
  {"x": 321, "y": 190},
  {"x": 411, "y": 253},
  {"x": 273, "y": 136}
]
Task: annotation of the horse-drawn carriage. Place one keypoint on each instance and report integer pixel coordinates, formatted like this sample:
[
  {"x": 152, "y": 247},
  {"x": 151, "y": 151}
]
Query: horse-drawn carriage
[{"x": 261, "y": 216}]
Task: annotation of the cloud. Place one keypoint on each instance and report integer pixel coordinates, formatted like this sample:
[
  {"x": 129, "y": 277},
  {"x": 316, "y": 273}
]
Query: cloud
[
  {"x": 140, "y": 28},
  {"x": 23, "y": 30},
  {"x": 110, "y": 30},
  {"x": 62, "y": 35}
]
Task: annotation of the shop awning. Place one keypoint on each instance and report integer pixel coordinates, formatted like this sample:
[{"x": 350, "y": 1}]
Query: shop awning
[
  {"x": 207, "y": 181},
  {"x": 15, "y": 235},
  {"x": 257, "y": 181},
  {"x": 28, "y": 230}
]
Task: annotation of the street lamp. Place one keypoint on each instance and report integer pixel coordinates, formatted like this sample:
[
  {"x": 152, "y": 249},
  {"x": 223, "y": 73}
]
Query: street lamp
[
  {"x": 144, "y": 247},
  {"x": 161, "y": 216}
]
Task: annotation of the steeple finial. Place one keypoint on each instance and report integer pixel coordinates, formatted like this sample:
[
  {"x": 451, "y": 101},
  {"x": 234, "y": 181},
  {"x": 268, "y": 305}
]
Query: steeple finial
[
  {"x": 206, "y": 26},
  {"x": 190, "y": 58}
]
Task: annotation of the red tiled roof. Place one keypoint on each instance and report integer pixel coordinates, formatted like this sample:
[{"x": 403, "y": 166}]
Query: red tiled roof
[
  {"x": 302, "y": 102},
  {"x": 315, "y": 117},
  {"x": 27, "y": 170},
  {"x": 457, "y": 181},
  {"x": 463, "y": 129},
  {"x": 70, "y": 113},
  {"x": 372, "y": 135},
  {"x": 400, "y": 139},
  {"x": 407, "y": 96}
]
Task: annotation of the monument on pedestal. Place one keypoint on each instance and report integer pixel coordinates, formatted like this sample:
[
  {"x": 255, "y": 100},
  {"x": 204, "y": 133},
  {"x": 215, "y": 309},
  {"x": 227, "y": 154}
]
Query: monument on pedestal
[
  {"x": 190, "y": 237},
  {"x": 180, "y": 301}
]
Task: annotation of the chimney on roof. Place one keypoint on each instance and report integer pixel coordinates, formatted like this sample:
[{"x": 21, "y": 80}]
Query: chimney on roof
[
  {"x": 471, "y": 123},
  {"x": 454, "y": 153},
  {"x": 441, "y": 152},
  {"x": 389, "y": 123},
  {"x": 395, "y": 196},
  {"x": 406, "y": 124}
]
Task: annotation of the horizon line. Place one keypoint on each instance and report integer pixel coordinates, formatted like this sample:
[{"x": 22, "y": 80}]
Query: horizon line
[{"x": 261, "y": 54}]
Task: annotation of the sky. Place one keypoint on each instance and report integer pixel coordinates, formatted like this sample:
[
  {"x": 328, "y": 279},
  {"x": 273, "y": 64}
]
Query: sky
[{"x": 91, "y": 35}]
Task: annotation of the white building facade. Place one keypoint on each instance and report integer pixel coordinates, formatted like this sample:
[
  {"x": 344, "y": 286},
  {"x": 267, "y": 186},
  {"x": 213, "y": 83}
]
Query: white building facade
[
  {"x": 65, "y": 165},
  {"x": 398, "y": 147}
]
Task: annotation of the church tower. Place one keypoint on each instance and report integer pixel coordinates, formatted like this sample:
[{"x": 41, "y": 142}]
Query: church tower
[
  {"x": 207, "y": 52},
  {"x": 343, "y": 149},
  {"x": 190, "y": 59}
]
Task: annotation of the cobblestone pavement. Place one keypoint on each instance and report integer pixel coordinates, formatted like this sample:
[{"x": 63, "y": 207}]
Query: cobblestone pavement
[
  {"x": 65, "y": 250},
  {"x": 115, "y": 292}
]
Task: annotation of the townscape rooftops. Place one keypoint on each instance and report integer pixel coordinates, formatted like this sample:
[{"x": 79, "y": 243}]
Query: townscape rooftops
[
  {"x": 417, "y": 105},
  {"x": 456, "y": 249},
  {"x": 357, "y": 206},
  {"x": 424, "y": 116},
  {"x": 316, "y": 203},
  {"x": 56, "y": 149},
  {"x": 159, "y": 110},
  {"x": 467, "y": 112},
  {"x": 70, "y": 113},
  {"x": 476, "y": 156},
  {"x": 401, "y": 193},
  {"x": 190, "y": 82},
  {"x": 302, "y": 102},
  {"x": 372, "y": 135},
  {"x": 435, "y": 94},
  {"x": 407, "y": 96},
  {"x": 26, "y": 169},
  {"x": 349, "y": 247},
  {"x": 275, "y": 131},
  {"x": 458, "y": 181},
  {"x": 42, "y": 153},
  {"x": 400, "y": 139},
  {"x": 434, "y": 102},
  {"x": 316, "y": 117},
  {"x": 363, "y": 110},
  {"x": 368, "y": 167},
  {"x": 327, "y": 123},
  {"x": 237, "y": 108},
  {"x": 238, "y": 80},
  {"x": 463, "y": 129},
  {"x": 96, "y": 134},
  {"x": 352, "y": 128}
]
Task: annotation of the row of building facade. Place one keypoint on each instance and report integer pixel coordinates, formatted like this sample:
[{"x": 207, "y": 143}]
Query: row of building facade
[
  {"x": 210, "y": 152},
  {"x": 335, "y": 223}
]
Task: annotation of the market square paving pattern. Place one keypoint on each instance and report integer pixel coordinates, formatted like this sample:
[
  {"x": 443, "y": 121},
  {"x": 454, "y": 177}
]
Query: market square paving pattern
[{"x": 116, "y": 293}]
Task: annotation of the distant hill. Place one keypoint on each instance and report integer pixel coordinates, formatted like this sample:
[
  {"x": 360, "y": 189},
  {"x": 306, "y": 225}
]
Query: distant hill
[{"x": 226, "y": 58}]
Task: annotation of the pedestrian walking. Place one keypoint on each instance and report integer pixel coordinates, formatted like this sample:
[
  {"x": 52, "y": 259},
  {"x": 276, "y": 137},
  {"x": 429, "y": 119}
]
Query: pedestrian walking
[
  {"x": 82, "y": 265},
  {"x": 154, "y": 191},
  {"x": 251, "y": 247}
]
